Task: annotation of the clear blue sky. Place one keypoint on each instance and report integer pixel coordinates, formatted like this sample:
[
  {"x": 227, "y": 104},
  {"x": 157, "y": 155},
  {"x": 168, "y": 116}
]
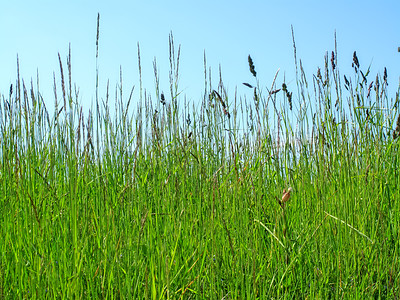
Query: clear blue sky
[{"x": 226, "y": 30}]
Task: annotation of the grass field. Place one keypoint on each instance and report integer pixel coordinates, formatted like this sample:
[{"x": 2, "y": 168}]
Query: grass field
[{"x": 158, "y": 200}]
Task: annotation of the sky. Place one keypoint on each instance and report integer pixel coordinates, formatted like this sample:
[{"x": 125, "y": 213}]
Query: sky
[{"x": 226, "y": 31}]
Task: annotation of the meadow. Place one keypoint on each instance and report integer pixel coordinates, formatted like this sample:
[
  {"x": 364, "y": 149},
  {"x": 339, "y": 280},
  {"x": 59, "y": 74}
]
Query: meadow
[{"x": 158, "y": 199}]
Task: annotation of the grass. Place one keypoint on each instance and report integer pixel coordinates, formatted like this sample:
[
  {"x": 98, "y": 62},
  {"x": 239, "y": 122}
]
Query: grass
[{"x": 167, "y": 201}]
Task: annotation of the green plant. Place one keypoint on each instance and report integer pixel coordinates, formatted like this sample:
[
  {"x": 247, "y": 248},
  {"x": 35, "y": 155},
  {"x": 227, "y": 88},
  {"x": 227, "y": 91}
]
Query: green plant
[{"x": 165, "y": 201}]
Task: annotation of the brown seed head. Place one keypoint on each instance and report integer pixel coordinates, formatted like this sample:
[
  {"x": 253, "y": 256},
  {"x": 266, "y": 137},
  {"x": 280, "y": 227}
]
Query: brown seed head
[
  {"x": 286, "y": 195},
  {"x": 385, "y": 76},
  {"x": 333, "y": 61}
]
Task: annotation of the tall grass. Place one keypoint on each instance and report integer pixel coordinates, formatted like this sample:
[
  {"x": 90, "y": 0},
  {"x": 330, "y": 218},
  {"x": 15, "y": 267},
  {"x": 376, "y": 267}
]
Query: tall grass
[{"x": 167, "y": 201}]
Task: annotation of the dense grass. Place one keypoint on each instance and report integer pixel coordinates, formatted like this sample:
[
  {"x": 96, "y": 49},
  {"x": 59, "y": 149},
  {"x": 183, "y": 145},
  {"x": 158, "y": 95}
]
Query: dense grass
[{"x": 163, "y": 200}]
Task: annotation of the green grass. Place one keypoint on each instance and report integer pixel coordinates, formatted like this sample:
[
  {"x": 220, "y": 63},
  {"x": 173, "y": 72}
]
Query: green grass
[{"x": 167, "y": 201}]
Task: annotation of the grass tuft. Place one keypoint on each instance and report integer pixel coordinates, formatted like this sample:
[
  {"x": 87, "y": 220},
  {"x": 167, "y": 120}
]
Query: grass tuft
[{"x": 160, "y": 199}]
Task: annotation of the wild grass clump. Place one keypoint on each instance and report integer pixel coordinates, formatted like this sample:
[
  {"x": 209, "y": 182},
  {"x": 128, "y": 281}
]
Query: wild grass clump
[{"x": 163, "y": 200}]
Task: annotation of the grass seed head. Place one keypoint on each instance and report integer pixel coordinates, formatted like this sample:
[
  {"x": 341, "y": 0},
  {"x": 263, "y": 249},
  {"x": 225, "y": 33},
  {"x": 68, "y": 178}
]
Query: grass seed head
[
  {"x": 364, "y": 77},
  {"x": 396, "y": 132},
  {"x": 385, "y": 76},
  {"x": 333, "y": 61},
  {"x": 162, "y": 99},
  {"x": 369, "y": 89},
  {"x": 376, "y": 87},
  {"x": 248, "y": 85},
  {"x": 286, "y": 195},
  {"x": 355, "y": 64},
  {"x": 289, "y": 97},
  {"x": 346, "y": 83},
  {"x": 275, "y": 91},
  {"x": 251, "y": 65}
]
